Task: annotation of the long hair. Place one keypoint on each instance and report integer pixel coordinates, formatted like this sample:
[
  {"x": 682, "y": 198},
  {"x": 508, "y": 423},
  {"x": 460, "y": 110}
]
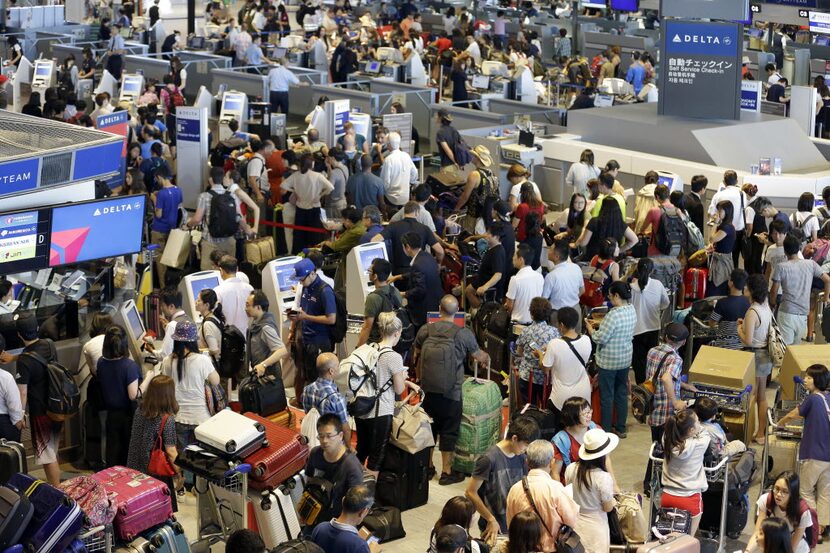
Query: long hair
[
  {"x": 209, "y": 298},
  {"x": 458, "y": 510},
  {"x": 160, "y": 398},
  {"x": 610, "y": 223},
  {"x": 676, "y": 431},
  {"x": 528, "y": 195},
  {"x": 728, "y": 213},
  {"x": 181, "y": 350},
  {"x": 576, "y": 218},
  {"x": 777, "y": 536},
  {"x": 533, "y": 224},
  {"x": 525, "y": 533},
  {"x": 584, "y": 468},
  {"x": 644, "y": 268},
  {"x": 793, "y": 510}
]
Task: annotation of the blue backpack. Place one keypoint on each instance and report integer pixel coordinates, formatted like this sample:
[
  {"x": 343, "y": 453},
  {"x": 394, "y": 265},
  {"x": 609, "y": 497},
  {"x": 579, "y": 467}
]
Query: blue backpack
[{"x": 562, "y": 442}]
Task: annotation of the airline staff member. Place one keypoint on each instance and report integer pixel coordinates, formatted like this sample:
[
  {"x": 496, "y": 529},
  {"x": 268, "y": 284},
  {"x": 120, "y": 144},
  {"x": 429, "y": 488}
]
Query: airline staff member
[{"x": 279, "y": 79}]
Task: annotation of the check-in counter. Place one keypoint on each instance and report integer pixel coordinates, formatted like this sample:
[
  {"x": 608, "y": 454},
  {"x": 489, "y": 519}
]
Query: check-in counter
[{"x": 197, "y": 64}]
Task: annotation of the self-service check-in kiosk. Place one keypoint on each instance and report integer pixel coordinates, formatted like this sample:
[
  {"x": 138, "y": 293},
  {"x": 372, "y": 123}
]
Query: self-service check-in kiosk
[
  {"x": 672, "y": 180},
  {"x": 190, "y": 287},
  {"x": 108, "y": 84},
  {"x": 23, "y": 75},
  {"x": 43, "y": 78},
  {"x": 131, "y": 87},
  {"x": 358, "y": 262},
  {"x": 130, "y": 319},
  {"x": 234, "y": 106},
  {"x": 279, "y": 286}
]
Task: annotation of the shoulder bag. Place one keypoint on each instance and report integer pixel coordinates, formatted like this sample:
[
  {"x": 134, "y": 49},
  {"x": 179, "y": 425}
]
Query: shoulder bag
[
  {"x": 159, "y": 464},
  {"x": 567, "y": 540}
]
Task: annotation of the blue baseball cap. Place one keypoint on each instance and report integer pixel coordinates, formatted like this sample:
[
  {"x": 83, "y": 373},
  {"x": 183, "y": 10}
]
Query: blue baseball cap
[{"x": 303, "y": 268}]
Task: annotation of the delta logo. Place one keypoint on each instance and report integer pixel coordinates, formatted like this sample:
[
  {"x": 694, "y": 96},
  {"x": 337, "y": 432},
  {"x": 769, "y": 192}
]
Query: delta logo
[
  {"x": 110, "y": 210},
  {"x": 701, "y": 39}
]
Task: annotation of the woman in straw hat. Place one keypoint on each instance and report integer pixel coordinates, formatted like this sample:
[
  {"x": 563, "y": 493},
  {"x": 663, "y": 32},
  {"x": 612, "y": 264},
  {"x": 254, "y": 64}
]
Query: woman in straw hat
[
  {"x": 481, "y": 190},
  {"x": 593, "y": 489}
]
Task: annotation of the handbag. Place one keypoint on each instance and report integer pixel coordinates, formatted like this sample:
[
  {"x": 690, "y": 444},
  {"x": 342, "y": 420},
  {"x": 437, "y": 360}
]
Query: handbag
[
  {"x": 775, "y": 343},
  {"x": 159, "y": 464},
  {"x": 412, "y": 428},
  {"x": 593, "y": 296},
  {"x": 631, "y": 518},
  {"x": 216, "y": 398}
]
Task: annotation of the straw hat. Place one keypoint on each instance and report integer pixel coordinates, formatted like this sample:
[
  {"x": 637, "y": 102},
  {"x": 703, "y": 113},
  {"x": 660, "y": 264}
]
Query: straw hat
[
  {"x": 597, "y": 443},
  {"x": 483, "y": 155}
]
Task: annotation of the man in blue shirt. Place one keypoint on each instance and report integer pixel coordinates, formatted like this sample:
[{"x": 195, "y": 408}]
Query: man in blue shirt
[
  {"x": 372, "y": 220},
  {"x": 636, "y": 72},
  {"x": 365, "y": 188},
  {"x": 167, "y": 202},
  {"x": 316, "y": 314},
  {"x": 340, "y": 535},
  {"x": 253, "y": 55}
]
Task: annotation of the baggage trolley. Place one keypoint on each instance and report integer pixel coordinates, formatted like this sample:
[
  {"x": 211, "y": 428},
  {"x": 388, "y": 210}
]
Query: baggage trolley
[
  {"x": 222, "y": 506},
  {"x": 98, "y": 539},
  {"x": 730, "y": 401},
  {"x": 716, "y": 474},
  {"x": 699, "y": 329},
  {"x": 791, "y": 432}
]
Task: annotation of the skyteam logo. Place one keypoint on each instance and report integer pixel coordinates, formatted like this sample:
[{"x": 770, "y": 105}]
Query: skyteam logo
[{"x": 712, "y": 39}]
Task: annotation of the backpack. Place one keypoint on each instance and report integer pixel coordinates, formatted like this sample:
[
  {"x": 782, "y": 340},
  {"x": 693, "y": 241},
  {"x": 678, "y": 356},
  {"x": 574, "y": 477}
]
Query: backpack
[
  {"x": 438, "y": 361},
  {"x": 798, "y": 228},
  {"x": 174, "y": 99},
  {"x": 222, "y": 221},
  {"x": 407, "y": 330},
  {"x": 671, "y": 234},
  {"x": 362, "y": 386},
  {"x": 338, "y": 330},
  {"x": 487, "y": 190},
  {"x": 596, "y": 65},
  {"x": 695, "y": 240},
  {"x": 64, "y": 397},
  {"x": 232, "y": 349},
  {"x": 593, "y": 296},
  {"x": 811, "y": 533},
  {"x": 461, "y": 151},
  {"x": 642, "y": 395},
  {"x": 308, "y": 428},
  {"x": 562, "y": 441}
]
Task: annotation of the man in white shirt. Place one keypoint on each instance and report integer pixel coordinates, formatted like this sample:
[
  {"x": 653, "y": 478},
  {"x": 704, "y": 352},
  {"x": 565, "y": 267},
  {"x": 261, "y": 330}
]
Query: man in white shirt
[
  {"x": 525, "y": 285},
  {"x": 422, "y": 194},
  {"x": 473, "y": 50},
  {"x": 397, "y": 173},
  {"x": 241, "y": 42},
  {"x": 232, "y": 294},
  {"x": 773, "y": 76},
  {"x": 279, "y": 79},
  {"x": 563, "y": 284},
  {"x": 732, "y": 193},
  {"x": 171, "y": 313}
]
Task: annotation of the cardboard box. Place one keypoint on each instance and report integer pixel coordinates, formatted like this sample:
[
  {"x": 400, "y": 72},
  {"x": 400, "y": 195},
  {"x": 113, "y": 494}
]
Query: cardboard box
[
  {"x": 723, "y": 367},
  {"x": 796, "y": 361}
]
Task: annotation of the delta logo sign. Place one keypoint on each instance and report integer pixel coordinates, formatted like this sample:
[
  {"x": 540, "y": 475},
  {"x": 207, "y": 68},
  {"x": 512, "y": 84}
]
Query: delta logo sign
[{"x": 705, "y": 39}]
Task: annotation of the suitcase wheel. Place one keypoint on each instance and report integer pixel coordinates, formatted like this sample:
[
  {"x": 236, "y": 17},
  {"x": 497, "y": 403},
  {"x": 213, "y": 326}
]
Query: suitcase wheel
[
  {"x": 302, "y": 439},
  {"x": 157, "y": 541},
  {"x": 259, "y": 426},
  {"x": 230, "y": 447},
  {"x": 290, "y": 484},
  {"x": 259, "y": 471},
  {"x": 264, "y": 443}
]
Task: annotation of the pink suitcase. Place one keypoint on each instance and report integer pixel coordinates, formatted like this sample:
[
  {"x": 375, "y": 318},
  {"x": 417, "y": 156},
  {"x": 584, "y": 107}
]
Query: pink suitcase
[
  {"x": 141, "y": 501},
  {"x": 673, "y": 543}
]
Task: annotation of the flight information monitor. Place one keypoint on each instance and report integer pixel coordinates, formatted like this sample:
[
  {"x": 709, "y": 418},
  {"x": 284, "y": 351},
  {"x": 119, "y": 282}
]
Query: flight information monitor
[
  {"x": 24, "y": 241},
  {"x": 96, "y": 230}
]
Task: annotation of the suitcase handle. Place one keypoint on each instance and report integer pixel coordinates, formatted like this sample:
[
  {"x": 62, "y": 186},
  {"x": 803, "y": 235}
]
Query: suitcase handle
[{"x": 242, "y": 468}]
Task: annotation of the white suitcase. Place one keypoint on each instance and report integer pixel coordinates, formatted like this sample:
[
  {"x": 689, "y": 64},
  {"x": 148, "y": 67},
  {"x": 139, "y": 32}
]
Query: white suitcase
[
  {"x": 295, "y": 487},
  {"x": 231, "y": 435},
  {"x": 276, "y": 517}
]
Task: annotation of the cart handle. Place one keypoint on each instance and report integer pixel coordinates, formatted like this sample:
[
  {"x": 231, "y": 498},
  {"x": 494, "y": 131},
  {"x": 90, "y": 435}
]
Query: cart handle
[
  {"x": 242, "y": 468},
  {"x": 467, "y": 259},
  {"x": 724, "y": 460},
  {"x": 651, "y": 454},
  {"x": 798, "y": 380},
  {"x": 91, "y": 531}
]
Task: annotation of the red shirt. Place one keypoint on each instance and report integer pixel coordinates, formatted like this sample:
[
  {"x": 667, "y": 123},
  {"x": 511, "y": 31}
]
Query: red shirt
[
  {"x": 521, "y": 214},
  {"x": 442, "y": 44}
]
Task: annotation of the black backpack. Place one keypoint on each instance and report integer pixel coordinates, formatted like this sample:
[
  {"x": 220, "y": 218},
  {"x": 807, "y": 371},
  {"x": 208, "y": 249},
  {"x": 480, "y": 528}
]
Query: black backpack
[
  {"x": 338, "y": 330},
  {"x": 64, "y": 399},
  {"x": 391, "y": 303},
  {"x": 671, "y": 235},
  {"x": 222, "y": 221},
  {"x": 232, "y": 349}
]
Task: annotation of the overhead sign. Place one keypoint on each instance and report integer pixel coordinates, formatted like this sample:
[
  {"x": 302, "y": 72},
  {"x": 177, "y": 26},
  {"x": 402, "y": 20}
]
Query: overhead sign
[
  {"x": 751, "y": 95},
  {"x": 701, "y": 69},
  {"x": 796, "y": 3},
  {"x": 732, "y": 10},
  {"x": 17, "y": 176},
  {"x": 819, "y": 22},
  {"x": 116, "y": 123}
]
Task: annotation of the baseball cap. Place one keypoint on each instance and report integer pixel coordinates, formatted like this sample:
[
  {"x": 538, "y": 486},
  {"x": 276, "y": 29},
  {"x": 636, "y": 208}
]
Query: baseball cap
[
  {"x": 302, "y": 268},
  {"x": 185, "y": 332},
  {"x": 26, "y": 326},
  {"x": 450, "y": 538},
  {"x": 676, "y": 332}
]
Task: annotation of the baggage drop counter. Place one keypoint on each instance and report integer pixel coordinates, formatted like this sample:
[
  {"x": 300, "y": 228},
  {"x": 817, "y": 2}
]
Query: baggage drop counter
[{"x": 197, "y": 64}]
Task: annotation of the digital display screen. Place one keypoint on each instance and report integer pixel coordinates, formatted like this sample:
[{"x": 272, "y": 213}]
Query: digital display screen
[
  {"x": 197, "y": 42},
  {"x": 435, "y": 316},
  {"x": 232, "y": 103},
  {"x": 665, "y": 180},
  {"x": 279, "y": 53},
  {"x": 481, "y": 82},
  {"x": 197, "y": 285},
  {"x": 42, "y": 70},
  {"x": 134, "y": 320},
  {"x": 131, "y": 86},
  {"x": 625, "y": 5},
  {"x": 285, "y": 275},
  {"x": 603, "y": 101},
  {"x": 370, "y": 254},
  {"x": 592, "y": 4},
  {"x": 95, "y": 230},
  {"x": 373, "y": 67},
  {"x": 820, "y": 40},
  {"x": 24, "y": 241},
  {"x": 819, "y": 22}
]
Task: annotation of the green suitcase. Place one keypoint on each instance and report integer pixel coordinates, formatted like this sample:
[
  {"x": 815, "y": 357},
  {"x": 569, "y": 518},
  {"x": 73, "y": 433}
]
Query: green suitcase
[{"x": 480, "y": 421}]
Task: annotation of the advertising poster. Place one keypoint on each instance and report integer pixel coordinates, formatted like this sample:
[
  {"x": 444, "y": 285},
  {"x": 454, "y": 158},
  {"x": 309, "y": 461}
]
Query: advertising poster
[{"x": 751, "y": 95}]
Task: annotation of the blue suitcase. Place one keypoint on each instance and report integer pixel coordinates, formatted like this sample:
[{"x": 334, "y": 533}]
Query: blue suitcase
[
  {"x": 57, "y": 519},
  {"x": 167, "y": 538},
  {"x": 76, "y": 546}
]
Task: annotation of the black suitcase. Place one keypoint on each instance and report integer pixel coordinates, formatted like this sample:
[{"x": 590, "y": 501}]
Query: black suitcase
[
  {"x": 385, "y": 524},
  {"x": 12, "y": 459},
  {"x": 253, "y": 273},
  {"x": 15, "y": 513},
  {"x": 737, "y": 514},
  {"x": 498, "y": 348},
  {"x": 262, "y": 395},
  {"x": 547, "y": 421},
  {"x": 403, "y": 481}
]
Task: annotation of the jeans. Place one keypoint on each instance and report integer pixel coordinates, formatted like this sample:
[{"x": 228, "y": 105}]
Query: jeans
[
  {"x": 184, "y": 437},
  {"x": 613, "y": 392},
  {"x": 793, "y": 327}
]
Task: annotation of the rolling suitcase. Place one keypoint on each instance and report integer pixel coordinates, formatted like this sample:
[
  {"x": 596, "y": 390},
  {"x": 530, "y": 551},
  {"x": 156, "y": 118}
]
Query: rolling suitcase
[
  {"x": 15, "y": 513},
  {"x": 694, "y": 284},
  {"x": 141, "y": 501},
  {"x": 737, "y": 514},
  {"x": 230, "y": 434},
  {"x": 284, "y": 455},
  {"x": 264, "y": 395},
  {"x": 275, "y": 517},
  {"x": 676, "y": 543},
  {"x": 204, "y": 463},
  {"x": 57, "y": 519},
  {"x": 403, "y": 481},
  {"x": 152, "y": 313},
  {"x": 480, "y": 421},
  {"x": 76, "y": 546},
  {"x": 283, "y": 418},
  {"x": 167, "y": 538},
  {"x": 12, "y": 459}
]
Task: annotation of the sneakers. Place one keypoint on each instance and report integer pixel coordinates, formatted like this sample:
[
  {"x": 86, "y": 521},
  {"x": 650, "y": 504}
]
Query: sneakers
[
  {"x": 621, "y": 434},
  {"x": 452, "y": 478}
]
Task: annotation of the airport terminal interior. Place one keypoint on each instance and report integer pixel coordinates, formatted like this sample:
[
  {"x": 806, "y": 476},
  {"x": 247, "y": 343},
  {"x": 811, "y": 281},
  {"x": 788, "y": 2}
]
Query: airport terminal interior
[{"x": 414, "y": 275}]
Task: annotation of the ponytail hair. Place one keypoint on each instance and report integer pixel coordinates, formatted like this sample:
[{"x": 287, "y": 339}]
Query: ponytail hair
[
  {"x": 676, "y": 430},
  {"x": 644, "y": 268},
  {"x": 209, "y": 298}
]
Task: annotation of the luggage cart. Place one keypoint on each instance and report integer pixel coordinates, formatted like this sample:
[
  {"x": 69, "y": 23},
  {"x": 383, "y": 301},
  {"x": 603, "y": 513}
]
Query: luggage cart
[
  {"x": 699, "y": 329},
  {"x": 716, "y": 474},
  {"x": 790, "y": 432},
  {"x": 98, "y": 539},
  {"x": 730, "y": 401},
  {"x": 222, "y": 506}
]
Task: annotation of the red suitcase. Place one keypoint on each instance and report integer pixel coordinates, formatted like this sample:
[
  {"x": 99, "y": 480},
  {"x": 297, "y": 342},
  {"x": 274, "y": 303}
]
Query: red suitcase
[
  {"x": 674, "y": 543},
  {"x": 141, "y": 501},
  {"x": 283, "y": 457},
  {"x": 694, "y": 284}
]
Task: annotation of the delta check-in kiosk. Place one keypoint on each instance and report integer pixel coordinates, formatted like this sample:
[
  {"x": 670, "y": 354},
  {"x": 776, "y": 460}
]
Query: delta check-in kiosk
[
  {"x": 130, "y": 319},
  {"x": 358, "y": 262},
  {"x": 234, "y": 106},
  {"x": 279, "y": 286},
  {"x": 43, "y": 78},
  {"x": 131, "y": 87},
  {"x": 672, "y": 180},
  {"x": 190, "y": 287}
]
